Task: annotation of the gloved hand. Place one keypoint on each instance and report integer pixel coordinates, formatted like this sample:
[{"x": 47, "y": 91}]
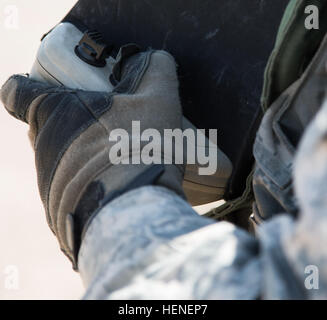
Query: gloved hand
[{"x": 69, "y": 130}]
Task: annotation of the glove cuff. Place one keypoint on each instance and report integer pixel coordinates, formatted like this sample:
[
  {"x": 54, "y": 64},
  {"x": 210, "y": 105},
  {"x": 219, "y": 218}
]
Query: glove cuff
[{"x": 103, "y": 190}]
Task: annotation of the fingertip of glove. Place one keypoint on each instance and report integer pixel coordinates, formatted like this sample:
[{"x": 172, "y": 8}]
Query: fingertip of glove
[
  {"x": 8, "y": 93},
  {"x": 16, "y": 93}
]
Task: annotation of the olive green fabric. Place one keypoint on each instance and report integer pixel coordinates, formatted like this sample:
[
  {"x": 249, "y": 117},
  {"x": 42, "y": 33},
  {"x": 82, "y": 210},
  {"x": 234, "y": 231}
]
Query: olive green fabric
[{"x": 294, "y": 49}]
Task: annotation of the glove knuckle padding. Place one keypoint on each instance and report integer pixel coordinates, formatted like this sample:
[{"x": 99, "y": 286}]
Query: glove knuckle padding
[{"x": 68, "y": 120}]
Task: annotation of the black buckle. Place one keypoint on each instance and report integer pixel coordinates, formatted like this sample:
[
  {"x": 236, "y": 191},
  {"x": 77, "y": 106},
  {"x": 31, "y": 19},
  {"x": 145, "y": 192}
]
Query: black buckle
[{"x": 92, "y": 50}]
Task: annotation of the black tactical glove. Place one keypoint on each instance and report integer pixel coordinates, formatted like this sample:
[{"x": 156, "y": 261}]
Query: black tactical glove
[{"x": 69, "y": 130}]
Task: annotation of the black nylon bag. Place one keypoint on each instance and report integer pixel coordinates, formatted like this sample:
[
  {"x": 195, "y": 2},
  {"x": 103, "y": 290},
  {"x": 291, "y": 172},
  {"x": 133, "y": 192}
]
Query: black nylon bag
[{"x": 221, "y": 47}]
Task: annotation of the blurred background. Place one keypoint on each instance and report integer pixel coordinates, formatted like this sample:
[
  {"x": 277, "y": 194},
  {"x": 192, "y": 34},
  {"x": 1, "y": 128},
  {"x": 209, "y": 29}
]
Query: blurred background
[{"x": 31, "y": 264}]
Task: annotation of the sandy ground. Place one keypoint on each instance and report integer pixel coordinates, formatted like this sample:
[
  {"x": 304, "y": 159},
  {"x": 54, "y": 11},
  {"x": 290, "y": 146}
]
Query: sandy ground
[{"x": 31, "y": 264}]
